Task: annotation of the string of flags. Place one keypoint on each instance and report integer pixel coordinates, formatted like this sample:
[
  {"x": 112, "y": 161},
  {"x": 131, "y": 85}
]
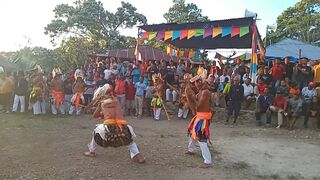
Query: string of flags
[
  {"x": 187, "y": 53},
  {"x": 190, "y": 33}
]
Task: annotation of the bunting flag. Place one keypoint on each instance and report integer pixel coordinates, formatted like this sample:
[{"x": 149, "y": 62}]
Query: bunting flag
[
  {"x": 160, "y": 35},
  {"x": 152, "y": 35},
  {"x": 219, "y": 56},
  {"x": 199, "y": 32},
  {"x": 207, "y": 32},
  {"x": 244, "y": 30},
  {"x": 191, "y": 33},
  {"x": 168, "y": 49},
  {"x": 254, "y": 55},
  {"x": 226, "y": 31},
  {"x": 145, "y": 35},
  {"x": 216, "y": 31},
  {"x": 176, "y": 35},
  {"x": 197, "y": 55},
  {"x": 183, "y": 34},
  {"x": 235, "y": 31},
  {"x": 181, "y": 53},
  {"x": 191, "y": 54},
  {"x": 167, "y": 35}
]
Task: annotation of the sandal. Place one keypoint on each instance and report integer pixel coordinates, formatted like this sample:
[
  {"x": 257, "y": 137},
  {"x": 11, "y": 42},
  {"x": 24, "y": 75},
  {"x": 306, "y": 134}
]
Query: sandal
[
  {"x": 139, "y": 159},
  {"x": 89, "y": 154}
]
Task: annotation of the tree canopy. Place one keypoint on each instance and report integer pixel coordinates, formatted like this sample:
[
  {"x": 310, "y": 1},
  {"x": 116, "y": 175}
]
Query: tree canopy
[
  {"x": 89, "y": 19},
  {"x": 300, "y": 22},
  {"x": 180, "y": 12}
]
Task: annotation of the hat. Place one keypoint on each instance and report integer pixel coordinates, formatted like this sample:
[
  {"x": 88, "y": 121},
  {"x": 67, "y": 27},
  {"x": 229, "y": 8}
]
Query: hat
[{"x": 312, "y": 84}]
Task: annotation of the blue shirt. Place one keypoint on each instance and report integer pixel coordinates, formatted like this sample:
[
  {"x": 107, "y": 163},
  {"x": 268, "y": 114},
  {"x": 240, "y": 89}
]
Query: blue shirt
[
  {"x": 136, "y": 75},
  {"x": 140, "y": 87}
]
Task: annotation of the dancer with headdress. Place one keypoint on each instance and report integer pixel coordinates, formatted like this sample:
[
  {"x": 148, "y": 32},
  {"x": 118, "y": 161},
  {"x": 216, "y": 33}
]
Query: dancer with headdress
[
  {"x": 198, "y": 128},
  {"x": 57, "y": 92},
  {"x": 77, "y": 100},
  {"x": 114, "y": 131},
  {"x": 37, "y": 95}
]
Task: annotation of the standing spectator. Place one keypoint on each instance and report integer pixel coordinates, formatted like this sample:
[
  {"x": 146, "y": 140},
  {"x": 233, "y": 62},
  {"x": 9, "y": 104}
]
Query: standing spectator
[
  {"x": 120, "y": 90},
  {"x": 236, "y": 97},
  {"x": 152, "y": 70},
  {"x": 20, "y": 91},
  {"x": 224, "y": 75},
  {"x": 288, "y": 66},
  {"x": 130, "y": 93},
  {"x": 303, "y": 73},
  {"x": 241, "y": 70},
  {"x": 140, "y": 88},
  {"x": 246, "y": 75},
  {"x": 294, "y": 110},
  {"x": 265, "y": 77},
  {"x": 316, "y": 72},
  {"x": 309, "y": 94},
  {"x": 107, "y": 72},
  {"x": 171, "y": 69},
  {"x": 135, "y": 73},
  {"x": 90, "y": 87},
  {"x": 277, "y": 72},
  {"x": 180, "y": 69},
  {"x": 102, "y": 81},
  {"x": 148, "y": 97},
  {"x": 264, "y": 102},
  {"x": 248, "y": 92},
  {"x": 226, "y": 90},
  {"x": 279, "y": 105},
  {"x": 120, "y": 67},
  {"x": 259, "y": 89}
]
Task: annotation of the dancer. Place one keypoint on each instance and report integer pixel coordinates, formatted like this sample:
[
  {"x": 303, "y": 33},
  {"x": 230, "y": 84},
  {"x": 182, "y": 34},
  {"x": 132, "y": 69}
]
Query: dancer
[
  {"x": 198, "y": 129},
  {"x": 57, "y": 91},
  {"x": 37, "y": 96},
  {"x": 114, "y": 131},
  {"x": 77, "y": 99}
]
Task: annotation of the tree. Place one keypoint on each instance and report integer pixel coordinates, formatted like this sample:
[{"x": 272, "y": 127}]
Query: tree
[
  {"x": 301, "y": 22},
  {"x": 89, "y": 19},
  {"x": 184, "y": 13}
]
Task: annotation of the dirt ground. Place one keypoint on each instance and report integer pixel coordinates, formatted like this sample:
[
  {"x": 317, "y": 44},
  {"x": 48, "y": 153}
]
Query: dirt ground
[{"x": 50, "y": 147}]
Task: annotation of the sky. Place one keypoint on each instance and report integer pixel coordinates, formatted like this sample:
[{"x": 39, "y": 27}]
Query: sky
[{"x": 23, "y": 22}]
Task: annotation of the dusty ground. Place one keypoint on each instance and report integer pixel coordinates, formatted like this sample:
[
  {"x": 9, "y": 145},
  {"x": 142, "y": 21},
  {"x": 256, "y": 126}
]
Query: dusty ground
[{"x": 51, "y": 148}]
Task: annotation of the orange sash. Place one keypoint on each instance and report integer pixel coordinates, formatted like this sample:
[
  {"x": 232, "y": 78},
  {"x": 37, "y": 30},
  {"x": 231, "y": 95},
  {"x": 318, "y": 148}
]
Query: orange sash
[
  {"x": 59, "y": 98},
  {"x": 195, "y": 126}
]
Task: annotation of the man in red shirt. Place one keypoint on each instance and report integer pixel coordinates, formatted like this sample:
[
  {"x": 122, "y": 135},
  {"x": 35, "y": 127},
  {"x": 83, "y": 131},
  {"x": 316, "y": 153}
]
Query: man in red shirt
[
  {"x": 277, "y": 72},
  {"x": 259, "y": 89},
  {"x": 130, "y": 94},
  {"x": 279, "y": 105}
]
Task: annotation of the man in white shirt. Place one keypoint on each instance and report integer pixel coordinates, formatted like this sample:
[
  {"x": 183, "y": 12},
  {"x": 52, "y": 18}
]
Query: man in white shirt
[
  {"x": 107, "y": 72},
  {"x": 224, "y": 76},
  {"x": 248, "y": 92}
]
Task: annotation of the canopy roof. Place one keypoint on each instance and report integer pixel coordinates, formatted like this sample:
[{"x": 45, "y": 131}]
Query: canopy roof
[
  {"x": 147, "y": 53},
  {"x": 290, "y": 47},
  {"x": 209, "y": 42}
]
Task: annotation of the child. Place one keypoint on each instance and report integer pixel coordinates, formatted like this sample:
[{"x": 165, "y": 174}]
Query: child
[
  {"x": 156, "y": 103},
  {"x": 148, "y": 96},
  {"x": 130, "y": 93},
  {"x": 226, "y": 90}
]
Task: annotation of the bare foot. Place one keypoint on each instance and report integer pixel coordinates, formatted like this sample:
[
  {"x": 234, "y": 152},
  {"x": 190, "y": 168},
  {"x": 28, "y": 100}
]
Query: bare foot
[
  {"x": 139, "y": 159},
  {"x": 189, "y": 153},
  {"x": 89, "y": 154},
  {"x": 204, "y": 165}
]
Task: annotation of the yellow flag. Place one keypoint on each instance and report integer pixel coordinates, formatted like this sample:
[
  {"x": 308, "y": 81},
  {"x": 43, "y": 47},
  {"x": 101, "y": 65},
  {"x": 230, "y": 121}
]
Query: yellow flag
[
  {"x": 167, "y": 35},
  {"x": 191, "y": 33},
  {"x": 216, "y": 31}
]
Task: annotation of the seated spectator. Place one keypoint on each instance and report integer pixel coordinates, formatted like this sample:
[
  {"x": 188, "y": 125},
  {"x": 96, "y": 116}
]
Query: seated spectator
[
  {"x": 248, "y": 93},
  {"x": 293, "y": 89},
  {"x": 262, "y": 107},
  {"x": 309, "y": 95},
  {"x": 279, "y": 105},
  {"x": 259, "y": 89},
  {"x": 283, "y": 88},
  {"x": 294, "y": 110}
]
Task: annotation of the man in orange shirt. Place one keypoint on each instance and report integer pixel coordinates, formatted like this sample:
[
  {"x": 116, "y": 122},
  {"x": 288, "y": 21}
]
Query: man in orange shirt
[
  {"x": 6, "y": 89},
  {"x": 316, "y": 72}
]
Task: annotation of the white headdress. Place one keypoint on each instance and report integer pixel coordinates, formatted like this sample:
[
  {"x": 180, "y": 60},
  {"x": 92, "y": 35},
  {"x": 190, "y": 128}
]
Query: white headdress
[
  {"x": 56, "y": 71},
  {"x": 101, "y": 91},
  {"x": 1, "y": 69},
  {"x": 78, "y": 73}
]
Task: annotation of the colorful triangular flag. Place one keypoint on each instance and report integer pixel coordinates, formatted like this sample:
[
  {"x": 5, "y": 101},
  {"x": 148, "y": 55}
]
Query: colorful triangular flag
[
  {"x": 216, "y": 31},
  {"x": 244, "y": 30}
]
